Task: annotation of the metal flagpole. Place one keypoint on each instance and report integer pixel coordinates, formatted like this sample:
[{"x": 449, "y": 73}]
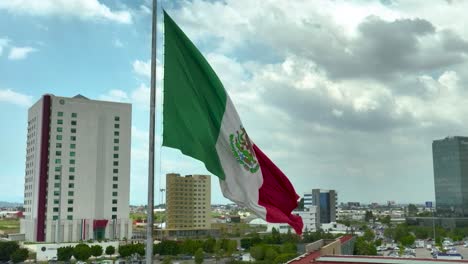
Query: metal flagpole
[{"x": 150, "y": 212}]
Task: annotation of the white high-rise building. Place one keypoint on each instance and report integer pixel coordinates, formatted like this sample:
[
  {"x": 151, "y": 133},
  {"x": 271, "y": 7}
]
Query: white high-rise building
[{"x": 77, "y": 180}]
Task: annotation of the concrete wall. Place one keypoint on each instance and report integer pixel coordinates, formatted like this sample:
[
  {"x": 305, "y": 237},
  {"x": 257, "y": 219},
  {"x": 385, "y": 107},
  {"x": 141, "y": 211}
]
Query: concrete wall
[{"x": 331, "y": 247}]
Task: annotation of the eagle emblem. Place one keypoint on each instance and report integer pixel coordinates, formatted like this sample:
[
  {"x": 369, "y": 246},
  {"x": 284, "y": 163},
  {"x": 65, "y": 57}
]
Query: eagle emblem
[{"x": 242, "y": 150}]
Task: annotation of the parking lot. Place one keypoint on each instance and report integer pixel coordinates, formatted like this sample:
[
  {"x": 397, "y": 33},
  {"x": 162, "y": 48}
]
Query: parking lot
[{"x": 424, "y": 253}]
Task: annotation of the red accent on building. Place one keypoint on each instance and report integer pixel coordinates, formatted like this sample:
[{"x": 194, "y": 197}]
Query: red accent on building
[
  {"x": 306, "y": 258},
  {"x": 99, "y": 224},
  {"x": 345, "y": 238},
  {"x": 43, "y": 168}
]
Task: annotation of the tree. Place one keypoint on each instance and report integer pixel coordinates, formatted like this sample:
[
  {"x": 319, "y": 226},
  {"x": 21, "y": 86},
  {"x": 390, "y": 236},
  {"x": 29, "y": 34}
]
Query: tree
[
  {"x": 258, "y": 252},
  {"x": 167, "y": 260},
  {"x": 96, "y": 250},
  {"x": 362, "y": 247},
  {"x": 19, "y": 255},
  {"x": 199, "y": 256},
  {"x": 369, "y": 235},
  {"x": 283, "y": 258},
  {"x": 167, "y": 247},
  {"x": 369, "y": 216},
  {"x": 64, "y": 253},
  {"x": 386, "y": 220},
  {"x": 412, "y": 210},
  {"x": 110, "y": 250},
  {"x": 209, "y": 245},
  {"x": 289, "y": 248},
  {"x": 407, "y": 240},
  {"x": 82, "y": 252},
  {"x": 270, "y": 254},
  {"x": 6, "y": 249},
  {"x": 246, "y": 243}
]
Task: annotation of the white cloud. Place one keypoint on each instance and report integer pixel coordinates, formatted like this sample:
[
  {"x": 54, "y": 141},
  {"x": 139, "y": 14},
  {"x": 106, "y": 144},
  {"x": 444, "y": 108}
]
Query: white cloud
[
  {"x": 142, "y": 68},
  {"x": 83, "y": 9},
  {"x": 19, "y": 53},
  {"x": 118, "y": 43},
  {"x": 12, "y": 97},
  {"x": 115, "y": 96},
  {"x": 145, "y": 9},
  {"x": 141, "y": 96},
  {"x": 3, "y": 43}
]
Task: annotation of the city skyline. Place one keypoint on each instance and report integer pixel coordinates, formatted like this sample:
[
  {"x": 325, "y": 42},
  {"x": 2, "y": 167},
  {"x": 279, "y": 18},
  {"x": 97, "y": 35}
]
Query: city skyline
[{"x": 344, "y": 96}]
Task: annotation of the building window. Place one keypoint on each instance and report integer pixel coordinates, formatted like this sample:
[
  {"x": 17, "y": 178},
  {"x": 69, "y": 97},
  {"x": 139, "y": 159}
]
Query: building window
[
  {"x": 56, "y": 209},
  {"x": 71, "y": 177},
  {"x": 117, "y": 118},
  {"x": 73, "y": 130},
  {"x": 70, "y": 201},
  {"x": 58, "y": 145},
  {"x": 71, "y": 169},
  {"x": 73, "y": 138},
  {"x": 74, "y": 114},
  {"x": 59, "y": 129},
  {"x": 116, "y": 156},
  {"x": 57, "y": 177},
  {"x": 69, "y": 217},
  {"x": 55, "y": 217},
  {"x": 114, "y": 201},
  {"x": 58, "y": 161},
  {"x": 71, "y": 185},
  {"x": 114, "y": 186},
  {"x": 70, "y": 193},
  {"x": 116, "y": 125},
  {"x": 116, "y": 148},
  {"x": 114, "y": 217},
  {"x": 56, "y": 201},
  {"x": 58, "y": 153},
  {"x": 70, "y": 209},
  {"x": 59, "y": 137},
  {"x": 60, "y": 121},
  {"x": 58, "y": 168},
  {"x": 72, "y": 146},
  {"x": 73, "y": 122},
  {"x": 114, "y": 209},
  {"x": 56, "y": 185},
  {"x": 115, "y": 178},
  {"x": 72, "y": 153},
  {"x": 60, "y": 113},
  {"x": 116, "y": 140},
  {"x": 72, "y": 161},
  {"x": 116, "y": 133},
  {"x": 56, "y": 193},
  {"x": 115, "y": 170},
  {"x": 116, "y": 163},
  {"x": 114, "y": 193}
]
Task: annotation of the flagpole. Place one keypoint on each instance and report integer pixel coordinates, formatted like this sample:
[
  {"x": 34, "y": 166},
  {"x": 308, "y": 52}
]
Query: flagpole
[{"x": 150, "y": 212}]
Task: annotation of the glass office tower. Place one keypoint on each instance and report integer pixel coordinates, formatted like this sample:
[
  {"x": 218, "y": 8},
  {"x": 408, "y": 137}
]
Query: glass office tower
[{"x": 450, "y": 159}]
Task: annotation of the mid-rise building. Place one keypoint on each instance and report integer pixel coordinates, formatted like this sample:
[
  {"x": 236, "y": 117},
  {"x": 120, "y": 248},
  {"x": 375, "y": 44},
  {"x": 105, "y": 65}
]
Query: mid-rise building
[
  {"x": 325, "y": 202},
  {"x": 450, "y": 161},
  {"x": 309, "y": 218},
  {"x": 77, "y": 170},
  {"x": 188, "y": 204}
]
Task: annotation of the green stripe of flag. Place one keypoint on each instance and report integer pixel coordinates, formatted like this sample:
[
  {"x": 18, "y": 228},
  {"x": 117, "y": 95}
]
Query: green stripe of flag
[{"x": 194, "y": 99}]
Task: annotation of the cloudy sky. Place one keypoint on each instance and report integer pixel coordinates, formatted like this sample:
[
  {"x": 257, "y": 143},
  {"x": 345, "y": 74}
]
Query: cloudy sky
[{"x": 344, "y": 95}]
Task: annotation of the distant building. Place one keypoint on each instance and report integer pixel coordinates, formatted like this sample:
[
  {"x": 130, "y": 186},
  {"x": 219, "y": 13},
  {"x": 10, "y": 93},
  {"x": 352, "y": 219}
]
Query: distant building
[
  {"x": 450, "y": 161},
  {"x": 309, "y": 218},
  {"x": 77, "y": 170},
  {"x": 353, "y": 204},
  {"x": 326, "y": 203},
  {"x": 188, "y": 205}
]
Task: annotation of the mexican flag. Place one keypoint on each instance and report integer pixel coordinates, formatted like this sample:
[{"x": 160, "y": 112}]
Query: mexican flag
[{"x": 201, "y": 121}]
